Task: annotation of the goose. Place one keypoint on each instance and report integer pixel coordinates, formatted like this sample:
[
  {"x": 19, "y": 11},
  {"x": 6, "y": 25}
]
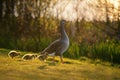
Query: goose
[{"x": 59, "y": 46}]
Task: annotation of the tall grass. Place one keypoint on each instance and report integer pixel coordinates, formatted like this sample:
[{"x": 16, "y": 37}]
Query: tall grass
[
  {"x": 76, "y": 50},
  {"x": 25, "y": 44},
  {"x": 106, "y": 51},
  {"x": 73, "y": 51}
]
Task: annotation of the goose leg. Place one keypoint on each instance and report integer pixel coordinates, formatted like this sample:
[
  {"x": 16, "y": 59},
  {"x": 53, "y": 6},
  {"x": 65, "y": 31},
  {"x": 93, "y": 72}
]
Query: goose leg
[{"x": 61, "y": 59}]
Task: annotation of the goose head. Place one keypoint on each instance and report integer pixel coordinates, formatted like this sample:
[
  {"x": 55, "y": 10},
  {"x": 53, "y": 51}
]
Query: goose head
[
  {"x": 43, "y": 57},
  {"x": 63, "y": 22},
  {"x": 61, "y": 25}
]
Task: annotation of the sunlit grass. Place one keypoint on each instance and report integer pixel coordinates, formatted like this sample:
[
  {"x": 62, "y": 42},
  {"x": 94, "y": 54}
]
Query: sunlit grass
[{"x": 17, "y": 69}]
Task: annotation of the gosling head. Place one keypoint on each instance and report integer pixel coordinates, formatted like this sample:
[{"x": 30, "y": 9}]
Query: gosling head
[{"x": 42, "y": 57}]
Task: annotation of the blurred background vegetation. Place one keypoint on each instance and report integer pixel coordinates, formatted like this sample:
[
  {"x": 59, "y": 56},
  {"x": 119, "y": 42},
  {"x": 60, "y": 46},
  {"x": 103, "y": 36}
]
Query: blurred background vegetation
[{"x": 29, "y": 25}]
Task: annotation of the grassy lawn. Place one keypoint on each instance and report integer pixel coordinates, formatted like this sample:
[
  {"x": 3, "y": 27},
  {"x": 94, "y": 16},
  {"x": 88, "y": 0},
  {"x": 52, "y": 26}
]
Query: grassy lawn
[{"x": 17, "y": 69}]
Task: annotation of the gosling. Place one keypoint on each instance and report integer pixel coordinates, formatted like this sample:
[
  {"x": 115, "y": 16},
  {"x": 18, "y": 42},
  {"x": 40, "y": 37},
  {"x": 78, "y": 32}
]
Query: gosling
[
  {"x": 13, "y": 54},
  {"x": 29, "y": 56}
]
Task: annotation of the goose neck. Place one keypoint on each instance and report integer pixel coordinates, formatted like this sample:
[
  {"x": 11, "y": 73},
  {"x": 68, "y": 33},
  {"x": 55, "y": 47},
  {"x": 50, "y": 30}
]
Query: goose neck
[{"x": 63, "y": 33}]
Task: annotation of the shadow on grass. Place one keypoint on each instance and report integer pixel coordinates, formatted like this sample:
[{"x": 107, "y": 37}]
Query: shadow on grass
[
  {"x": 42, "y": 67},
  {"x": 50, "y": 63},
  {"x": 20, "y": 60},
  {"x": 68, "y": 62},
  {"x": 57, "y": 61}
]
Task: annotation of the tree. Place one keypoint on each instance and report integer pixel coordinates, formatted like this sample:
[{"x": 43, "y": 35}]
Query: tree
[{"x": 111, "y": 18}]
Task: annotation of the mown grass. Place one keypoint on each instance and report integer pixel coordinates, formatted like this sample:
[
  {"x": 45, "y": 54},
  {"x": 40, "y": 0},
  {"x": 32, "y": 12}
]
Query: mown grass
[{"x": 85, "y": 69}]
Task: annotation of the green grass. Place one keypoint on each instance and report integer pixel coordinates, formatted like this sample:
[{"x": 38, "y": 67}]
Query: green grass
[
  {"x": 106, "y": 51},
  {"x": 83, "y": 69}
]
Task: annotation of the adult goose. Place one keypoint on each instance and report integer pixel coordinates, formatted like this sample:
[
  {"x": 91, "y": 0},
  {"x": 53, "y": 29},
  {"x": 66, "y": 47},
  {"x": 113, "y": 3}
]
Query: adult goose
[{"x": 59, "y": 46}]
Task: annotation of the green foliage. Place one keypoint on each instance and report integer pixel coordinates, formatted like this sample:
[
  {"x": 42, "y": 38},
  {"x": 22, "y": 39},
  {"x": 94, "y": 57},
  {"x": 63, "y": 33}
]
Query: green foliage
[
  {"x": 32, "y": 45},
  {"x": 77, "y": 50},
  {"x": 73, "y": 51},
  {"x": 106, "y": 51}
]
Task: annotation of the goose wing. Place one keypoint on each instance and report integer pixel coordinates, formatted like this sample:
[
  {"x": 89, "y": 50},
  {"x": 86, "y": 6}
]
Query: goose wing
[{"x": 53, "y": 47}]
